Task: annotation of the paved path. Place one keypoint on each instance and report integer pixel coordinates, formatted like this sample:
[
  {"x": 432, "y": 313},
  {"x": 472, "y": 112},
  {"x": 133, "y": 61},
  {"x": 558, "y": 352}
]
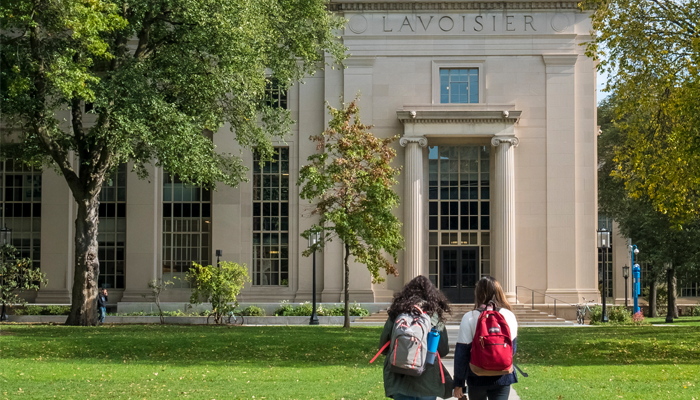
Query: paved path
[{"x": 449, "y": 363}]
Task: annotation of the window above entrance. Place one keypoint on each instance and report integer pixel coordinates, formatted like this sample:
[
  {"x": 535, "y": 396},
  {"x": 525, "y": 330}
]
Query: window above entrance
[{"x": 459, "y": 85}]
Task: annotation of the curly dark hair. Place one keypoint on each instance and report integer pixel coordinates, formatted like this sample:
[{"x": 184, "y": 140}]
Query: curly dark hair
[{"x": 420, "y": 291}]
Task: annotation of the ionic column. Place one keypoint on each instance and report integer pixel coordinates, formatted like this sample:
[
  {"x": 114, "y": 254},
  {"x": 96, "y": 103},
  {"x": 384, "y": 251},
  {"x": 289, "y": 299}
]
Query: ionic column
[
  {"x": 413, "y": 205},
  {"x": 503, "y": 214}
]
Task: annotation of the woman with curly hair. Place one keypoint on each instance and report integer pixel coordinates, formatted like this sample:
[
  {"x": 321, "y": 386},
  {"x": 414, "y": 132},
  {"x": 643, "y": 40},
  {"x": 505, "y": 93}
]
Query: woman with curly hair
[{"x": 417, "y": 297}]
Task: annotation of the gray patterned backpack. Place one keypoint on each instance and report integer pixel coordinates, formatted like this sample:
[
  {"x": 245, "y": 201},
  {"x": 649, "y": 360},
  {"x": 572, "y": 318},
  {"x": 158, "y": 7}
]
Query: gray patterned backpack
[{"x": 409, "y": 343}]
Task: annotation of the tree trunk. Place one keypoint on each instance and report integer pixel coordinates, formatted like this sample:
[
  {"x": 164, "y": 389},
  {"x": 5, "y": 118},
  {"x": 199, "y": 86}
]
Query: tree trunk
[
  {"x": 652, "y": 297},
  {"x": 346, "y": 324},
  {"x": 673, "y": 294},
  {"x": 87, "y": 265}
]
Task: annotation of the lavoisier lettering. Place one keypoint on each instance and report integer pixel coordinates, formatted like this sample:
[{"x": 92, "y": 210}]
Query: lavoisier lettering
[{"x": 455, "y": 23}]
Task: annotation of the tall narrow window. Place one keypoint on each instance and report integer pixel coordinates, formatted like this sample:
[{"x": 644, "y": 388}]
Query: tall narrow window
[
  {"x": 459, "y": 85},
  {"x": 186, "y": 228},
  {"x": 688, "y": 287},
  {"x": 271, "y": 219},
  {"x": 275, "y": 96},
  {"x": 21, "y": 207},
  {"x": 606, "y": 223},
  {"x": 459, "y": 214},
  {"x": 112, "y": 230}
]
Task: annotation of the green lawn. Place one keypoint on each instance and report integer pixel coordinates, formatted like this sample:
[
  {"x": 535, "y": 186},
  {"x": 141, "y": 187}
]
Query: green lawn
[
  {"x": 682, "y": 321},
  {"x": 210, "y": 362},
  {"x": 610, "y": 362}
]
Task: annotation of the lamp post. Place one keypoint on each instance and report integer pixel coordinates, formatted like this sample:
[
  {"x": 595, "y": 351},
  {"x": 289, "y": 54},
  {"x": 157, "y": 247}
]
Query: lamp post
[
  {"x": 314, "y": 238},
  {"x": 636, "y": 279},
  {"x": 5, "y": 240},
  {"x": 604, "y": 244},
  {"x": 626, "y": 274},
  {"x": 219, "y": 254},
  {"x": 669, "y": 275}
]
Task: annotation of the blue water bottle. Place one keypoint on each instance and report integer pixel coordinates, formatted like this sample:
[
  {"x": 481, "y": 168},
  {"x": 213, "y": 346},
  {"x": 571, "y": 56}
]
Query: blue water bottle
[{"x": 433, "y": 339}]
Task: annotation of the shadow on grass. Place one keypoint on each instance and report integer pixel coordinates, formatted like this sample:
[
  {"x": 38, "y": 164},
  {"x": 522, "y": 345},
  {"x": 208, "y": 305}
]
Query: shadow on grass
[{"x": 183, "y": 345}]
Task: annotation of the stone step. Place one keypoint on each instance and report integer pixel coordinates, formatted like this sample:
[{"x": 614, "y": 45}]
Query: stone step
[{"x": 524, "y": 313}]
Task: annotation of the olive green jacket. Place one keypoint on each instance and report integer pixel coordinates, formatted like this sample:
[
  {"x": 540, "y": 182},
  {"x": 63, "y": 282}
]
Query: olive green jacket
[{"x": 427, "y": 384}]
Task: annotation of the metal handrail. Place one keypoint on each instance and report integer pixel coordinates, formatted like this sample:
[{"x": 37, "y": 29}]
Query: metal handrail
[{"x": 543, "y": 294}]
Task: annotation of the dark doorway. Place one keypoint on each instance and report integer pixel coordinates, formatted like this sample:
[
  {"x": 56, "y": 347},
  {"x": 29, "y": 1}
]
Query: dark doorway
[{"x": 458, "y": 273}]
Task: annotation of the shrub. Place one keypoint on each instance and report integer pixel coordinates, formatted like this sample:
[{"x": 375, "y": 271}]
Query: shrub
[
  {"x": 285, "y": 309},
  {"x": 356, "y": 310},
  {"x": 39, "y": 310},
  {"x": 617, "y": 315},
  {"x": 695, "y": 310},
  {"x": 303, "y": 310},
  {"x": 217, "y": 285},
  {"x": 253, "y": 311},
  {"x": 57, "y": 310},
  {"x": 638, "y": 318}
]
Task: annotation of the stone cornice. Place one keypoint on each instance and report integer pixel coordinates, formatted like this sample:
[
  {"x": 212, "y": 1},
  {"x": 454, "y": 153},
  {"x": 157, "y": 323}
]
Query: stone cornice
[
  {"x": 457, "y": 117},
  {"x": 408, "y": 5}
]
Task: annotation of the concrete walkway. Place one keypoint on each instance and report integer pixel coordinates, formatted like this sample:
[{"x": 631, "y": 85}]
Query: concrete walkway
[{"x": 452, "y": 332}]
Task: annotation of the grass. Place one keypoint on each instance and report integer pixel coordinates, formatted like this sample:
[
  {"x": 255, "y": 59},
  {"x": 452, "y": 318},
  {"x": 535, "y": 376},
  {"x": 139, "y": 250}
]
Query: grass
[
  {"x": 196, "y": 362},
  {"x": 610, "y": 362},
  {"x": 218, "y": 362},
  {"x": 682, "y": 321}
]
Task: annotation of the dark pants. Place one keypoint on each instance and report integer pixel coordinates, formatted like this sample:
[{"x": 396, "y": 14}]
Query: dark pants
[
  {"x": 399, "y": 396},
  {"x": 495, "y": 392}
]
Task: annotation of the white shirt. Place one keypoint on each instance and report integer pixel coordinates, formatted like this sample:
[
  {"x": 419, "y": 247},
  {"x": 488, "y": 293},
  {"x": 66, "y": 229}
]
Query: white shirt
[{"x": 468, "y": 325}]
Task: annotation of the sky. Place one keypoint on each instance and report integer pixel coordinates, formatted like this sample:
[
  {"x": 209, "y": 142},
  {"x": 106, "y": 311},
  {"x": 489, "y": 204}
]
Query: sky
[{"x": 602, "y": 78}]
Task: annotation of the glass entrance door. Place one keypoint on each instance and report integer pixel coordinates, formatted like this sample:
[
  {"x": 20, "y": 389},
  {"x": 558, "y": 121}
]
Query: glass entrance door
[{"x": 459, "y": 271}]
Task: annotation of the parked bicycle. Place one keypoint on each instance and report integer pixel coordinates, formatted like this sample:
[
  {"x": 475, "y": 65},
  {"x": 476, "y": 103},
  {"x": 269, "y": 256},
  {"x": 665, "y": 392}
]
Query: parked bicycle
[{"x": 581, "y": 310}]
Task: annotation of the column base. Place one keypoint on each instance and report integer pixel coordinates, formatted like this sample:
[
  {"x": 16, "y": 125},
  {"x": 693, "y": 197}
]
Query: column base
[
  {"x": 131, "y": 296},
  {"x": 573, "y": 296},
  {"x": 331, "y": 296},
  {"x": 53, "y": 296},
  {"x": 360, "y": 296}
]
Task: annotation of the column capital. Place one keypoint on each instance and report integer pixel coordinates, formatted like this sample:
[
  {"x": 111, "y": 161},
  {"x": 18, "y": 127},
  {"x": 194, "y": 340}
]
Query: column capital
[
  {"x": 512, "y": 140},
  {"x": 421, "y": 140}
]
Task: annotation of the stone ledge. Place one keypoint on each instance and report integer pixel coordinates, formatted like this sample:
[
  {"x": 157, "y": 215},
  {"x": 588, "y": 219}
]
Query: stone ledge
[{"x": 61, "y": 319}]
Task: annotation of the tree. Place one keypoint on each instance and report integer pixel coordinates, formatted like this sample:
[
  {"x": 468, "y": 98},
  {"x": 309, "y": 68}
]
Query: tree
[
  {"x": 218, "y": 286},
  {"x": 17, "y": 275},
  {"x": 158, "y": 286},
  {"x": 656, "y": 234},
  {"x": 159, "y": 76},
  {"x": 352, "y": 180},
  {"x": 651, "y": 50}
]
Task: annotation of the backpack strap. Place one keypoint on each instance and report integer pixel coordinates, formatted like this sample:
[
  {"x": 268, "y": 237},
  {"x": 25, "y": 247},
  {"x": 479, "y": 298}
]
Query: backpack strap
[
  {"x": 380, "y": 351},
  {"x": 442, "y": 374},
  {"x": 520, "y": 370}
]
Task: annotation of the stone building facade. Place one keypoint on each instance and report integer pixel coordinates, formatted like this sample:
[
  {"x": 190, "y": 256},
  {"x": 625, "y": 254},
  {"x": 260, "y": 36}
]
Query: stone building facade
[{"x": 495, "y": 104}]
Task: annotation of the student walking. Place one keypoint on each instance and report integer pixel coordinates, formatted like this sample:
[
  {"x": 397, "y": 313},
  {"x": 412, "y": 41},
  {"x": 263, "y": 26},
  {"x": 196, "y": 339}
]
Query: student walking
[
  {"x": 489, "y": 296},
  {"x": 102, "y": 304},
  {"x": 413, "y": 369}
]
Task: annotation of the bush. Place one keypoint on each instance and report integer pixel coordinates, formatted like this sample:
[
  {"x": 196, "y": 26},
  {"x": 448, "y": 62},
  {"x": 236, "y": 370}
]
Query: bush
[
  {"x": 285, "y": 309},
  {"x": 638, "y": 319},
  {"x": 39, "y": 310},
  {"x": 695, "y": 310},
  {"x": 617, "y": 315},
  {"x": 253, "y": 311},
  {"x": 304, "y": 310}
]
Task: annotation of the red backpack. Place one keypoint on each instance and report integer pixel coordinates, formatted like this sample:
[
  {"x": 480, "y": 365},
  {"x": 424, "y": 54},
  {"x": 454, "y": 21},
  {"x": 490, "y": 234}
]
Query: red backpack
[{"x": 492, "y": 348}]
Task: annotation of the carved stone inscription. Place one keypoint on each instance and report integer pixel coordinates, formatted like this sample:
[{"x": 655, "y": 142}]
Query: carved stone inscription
[{"x": 460, "y": 24}]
